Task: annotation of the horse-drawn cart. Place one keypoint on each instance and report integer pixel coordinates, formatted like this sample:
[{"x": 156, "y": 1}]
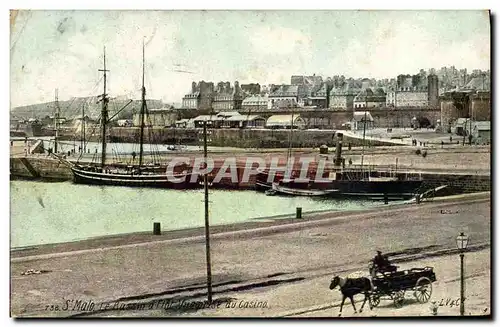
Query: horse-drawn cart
[{"x": 395, "y": 284}]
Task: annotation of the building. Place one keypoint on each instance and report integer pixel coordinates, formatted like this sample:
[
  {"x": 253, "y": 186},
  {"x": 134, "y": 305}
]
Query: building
[
  {"x": 200, "y": 97},
  {"x": 481, "y": 106},
  {"x": 308, "y": 85},
  {"x": 390, "y": 98},
  {"x": 361, "y": 119},
  {"x": 255, "y": 103},
  {"x": 244, "y": 121},
  {"x": 464, "y": 104},
  {"x": 433, "y": 90},
  {"x": 227, "y": 98},
  {"x": 481, "y": 132},
  {"x": 284, "y": 96},
  {"x": 212, "y": 121},
  {"x": 342, "y": 98},
  {"x": 228, "y": 119},
  {"x": 251, "y": 89},
  {"x": 411, "y": 99},
  {"x": 156, "y": 118},
  {"x": 370, "y": 98},
  {"x": 285, "y": 122},
  {"x": 184, "y": 123},
  {"x": 320, "y": 98},
  {"x": 417, "y": 91}
]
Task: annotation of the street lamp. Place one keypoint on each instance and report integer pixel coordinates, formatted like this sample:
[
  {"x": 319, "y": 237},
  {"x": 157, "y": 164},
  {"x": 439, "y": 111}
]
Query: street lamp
[{"x": 462, "y": 242}]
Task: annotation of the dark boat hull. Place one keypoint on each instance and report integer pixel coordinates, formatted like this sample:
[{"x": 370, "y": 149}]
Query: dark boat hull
[
  {"x": 157, "y": 181},
  {"x": 351, "y": 188}
]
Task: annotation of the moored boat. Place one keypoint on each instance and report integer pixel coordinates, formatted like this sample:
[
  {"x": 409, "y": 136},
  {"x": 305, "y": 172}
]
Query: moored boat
[
  {"x": 140, "y": 175},
  {"x": 300, "y": 192}
]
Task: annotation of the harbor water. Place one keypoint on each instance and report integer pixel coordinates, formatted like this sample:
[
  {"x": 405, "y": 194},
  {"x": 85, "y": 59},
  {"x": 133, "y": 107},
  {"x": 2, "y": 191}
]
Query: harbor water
[{"x": 45, "y": 213}]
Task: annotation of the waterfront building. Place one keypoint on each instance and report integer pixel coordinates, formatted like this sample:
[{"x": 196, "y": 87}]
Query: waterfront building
[
  {"x": 358, "y": 121},
  {"x": 285, "y": 122},
  {"x": 229, "y": 119}
]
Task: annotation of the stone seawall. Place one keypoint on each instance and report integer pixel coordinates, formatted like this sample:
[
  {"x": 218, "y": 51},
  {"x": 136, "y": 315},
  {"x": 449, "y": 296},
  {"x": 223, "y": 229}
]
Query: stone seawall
[
  {"x": 39, "y": 168},
  {"x": 457, "y": 184}
]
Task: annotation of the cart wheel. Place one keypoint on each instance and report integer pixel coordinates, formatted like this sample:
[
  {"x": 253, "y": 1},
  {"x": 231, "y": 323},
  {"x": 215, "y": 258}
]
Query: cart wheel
[
  {"x": 374, "y": 300},
  {"x": 423, "y": 289},
  {"x": 398, "y": 298}
]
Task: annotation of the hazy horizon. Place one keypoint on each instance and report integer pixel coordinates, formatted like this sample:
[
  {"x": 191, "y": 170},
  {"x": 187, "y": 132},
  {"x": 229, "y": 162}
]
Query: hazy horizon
[{"x": 63, "y": 49}]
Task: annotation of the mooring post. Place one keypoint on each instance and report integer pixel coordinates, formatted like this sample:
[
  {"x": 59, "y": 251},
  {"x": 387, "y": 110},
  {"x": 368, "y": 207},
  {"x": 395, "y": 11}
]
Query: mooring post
[
  {"x": 298, "y": 214},
  {"x": 156, "y": 229}
]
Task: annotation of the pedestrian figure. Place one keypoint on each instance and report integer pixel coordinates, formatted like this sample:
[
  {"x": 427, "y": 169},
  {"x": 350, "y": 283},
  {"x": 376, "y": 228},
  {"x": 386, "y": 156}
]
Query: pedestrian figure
[
  {"x": 11, "y": 143},
  {"x": 349, "y": 146},
  {"x": 451, "y": 139},
  {"x": 442, "y": 144},
  {"x": 79, "y": 149},
  {"x": 133, "y": 155},
  {"x": 96, "y": 150},
  {"x": 350, "y": 161},
  {"x": 69, "y": 152}
]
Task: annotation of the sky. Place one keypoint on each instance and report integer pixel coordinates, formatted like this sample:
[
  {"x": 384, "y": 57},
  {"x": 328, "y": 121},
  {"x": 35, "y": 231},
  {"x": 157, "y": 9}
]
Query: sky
[{"x": 64, "y": 49}]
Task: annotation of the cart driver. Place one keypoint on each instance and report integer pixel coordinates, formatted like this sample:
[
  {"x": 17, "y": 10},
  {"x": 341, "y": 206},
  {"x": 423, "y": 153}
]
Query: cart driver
[{"x": 382, "y": 263}]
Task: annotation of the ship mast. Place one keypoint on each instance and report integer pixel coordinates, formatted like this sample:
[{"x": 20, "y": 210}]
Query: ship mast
[
  {"x": 104, "y": 115},
  {"x": 82, "y": 142},
  {"x": 56, "y": 120},
  {"x": 363, "y": 148},
  {"x": 143, "y": 109}
]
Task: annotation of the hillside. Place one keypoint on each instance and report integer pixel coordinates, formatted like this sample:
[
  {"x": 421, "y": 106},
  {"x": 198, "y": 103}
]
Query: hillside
[{"x": 73, "y": 107}]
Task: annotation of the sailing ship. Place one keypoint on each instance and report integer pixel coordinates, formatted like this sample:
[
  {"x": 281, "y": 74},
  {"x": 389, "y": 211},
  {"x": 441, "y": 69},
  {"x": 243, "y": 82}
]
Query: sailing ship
[
  {"x": 348, "y": 182},
  {"x": 141, "y": 175}
]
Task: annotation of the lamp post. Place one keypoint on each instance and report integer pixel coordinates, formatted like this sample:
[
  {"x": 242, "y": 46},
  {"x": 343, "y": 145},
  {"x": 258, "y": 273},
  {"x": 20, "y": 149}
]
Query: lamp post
[{"x": 462, "y": 242}]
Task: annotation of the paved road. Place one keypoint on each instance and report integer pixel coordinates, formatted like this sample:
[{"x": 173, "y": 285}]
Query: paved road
[{"x": 155, "y": 268}]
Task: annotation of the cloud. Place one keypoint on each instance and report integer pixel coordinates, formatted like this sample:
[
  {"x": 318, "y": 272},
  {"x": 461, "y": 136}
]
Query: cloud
[
  {"x": 394, "y": 48},
  {"x": 228, "y": 46}
]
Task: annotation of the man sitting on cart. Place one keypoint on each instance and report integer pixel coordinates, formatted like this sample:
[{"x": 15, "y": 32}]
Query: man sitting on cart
[{"x": 382, "y": 264}]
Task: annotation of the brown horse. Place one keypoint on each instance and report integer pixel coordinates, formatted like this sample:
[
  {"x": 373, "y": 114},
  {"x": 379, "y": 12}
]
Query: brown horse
[{"x": 352, "y": 286}]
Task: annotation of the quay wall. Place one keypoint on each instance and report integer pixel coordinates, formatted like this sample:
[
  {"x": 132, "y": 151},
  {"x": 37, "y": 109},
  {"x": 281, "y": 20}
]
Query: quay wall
[
  {"x": 37, "y": 168},
  {"x": 458, "y": 184},
  {"x": 242, "y": 138}
]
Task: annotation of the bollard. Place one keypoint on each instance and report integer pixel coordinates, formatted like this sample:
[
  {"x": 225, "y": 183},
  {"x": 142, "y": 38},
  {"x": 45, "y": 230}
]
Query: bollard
[
  {"x": 386, "y": 198},
  {"x": 299, "y": 213},
  {"x": 156, "y": 229}
]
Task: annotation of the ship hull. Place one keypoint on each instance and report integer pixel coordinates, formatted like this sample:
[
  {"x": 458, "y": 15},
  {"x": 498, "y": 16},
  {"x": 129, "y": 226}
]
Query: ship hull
[
  {"x": 81, "y": 176},
  {"x": 394, "y": 189}
]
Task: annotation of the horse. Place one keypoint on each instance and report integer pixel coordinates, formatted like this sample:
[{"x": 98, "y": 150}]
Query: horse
[{"x": 352, "y": 286}]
